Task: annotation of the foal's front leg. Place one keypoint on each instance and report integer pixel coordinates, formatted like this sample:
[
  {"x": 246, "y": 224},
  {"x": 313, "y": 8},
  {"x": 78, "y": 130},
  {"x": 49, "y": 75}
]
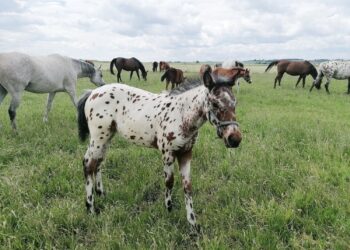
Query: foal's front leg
[{"x": 184, "y": 160}]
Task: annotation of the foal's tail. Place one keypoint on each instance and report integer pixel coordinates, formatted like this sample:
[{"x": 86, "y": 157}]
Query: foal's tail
[
  {"x": 273, "y": 63},
  {"x": 111, "y": 65},
  {"x": 83, "y": 127}
]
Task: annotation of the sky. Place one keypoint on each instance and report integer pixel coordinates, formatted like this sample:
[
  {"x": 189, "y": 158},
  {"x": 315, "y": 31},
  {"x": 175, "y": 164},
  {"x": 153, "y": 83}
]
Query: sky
[{"x": 154, "y": 30}]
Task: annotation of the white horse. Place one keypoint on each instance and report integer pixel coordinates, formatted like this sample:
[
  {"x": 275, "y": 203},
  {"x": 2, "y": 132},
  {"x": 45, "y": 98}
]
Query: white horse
[
  {"x": 42, "y": 74},
  {"x": 339, "y": 70},
  {"x": 167, "y": 122}
]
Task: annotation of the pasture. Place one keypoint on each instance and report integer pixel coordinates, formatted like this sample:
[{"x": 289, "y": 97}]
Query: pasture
[{"x": 286, "y": 186}]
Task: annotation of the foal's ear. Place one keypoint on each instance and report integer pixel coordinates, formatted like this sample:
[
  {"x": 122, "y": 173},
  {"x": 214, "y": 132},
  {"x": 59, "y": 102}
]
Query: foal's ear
[{"x": 208, "y": 80}]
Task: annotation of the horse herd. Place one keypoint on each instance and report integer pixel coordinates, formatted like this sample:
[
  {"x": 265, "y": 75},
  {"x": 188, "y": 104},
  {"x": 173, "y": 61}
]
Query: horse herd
[{"x": 167, "y": 121}]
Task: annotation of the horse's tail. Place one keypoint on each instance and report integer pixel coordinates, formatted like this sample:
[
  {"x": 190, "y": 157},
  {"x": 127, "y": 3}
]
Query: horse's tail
[
  {"x": 111, "y": 65},
  {"x": 164, "y": 75},
  {"x": 83, "y": 127},
  {"x": 273, "y": 63}
]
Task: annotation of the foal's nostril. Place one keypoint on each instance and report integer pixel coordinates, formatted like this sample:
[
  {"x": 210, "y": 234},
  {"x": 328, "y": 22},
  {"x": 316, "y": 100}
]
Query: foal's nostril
[{"x": 233, "y": 142}]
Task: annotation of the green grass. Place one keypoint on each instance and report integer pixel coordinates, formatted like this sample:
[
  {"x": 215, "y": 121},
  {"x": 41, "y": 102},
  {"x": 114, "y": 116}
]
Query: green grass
[{"x": 286, "y": 186}]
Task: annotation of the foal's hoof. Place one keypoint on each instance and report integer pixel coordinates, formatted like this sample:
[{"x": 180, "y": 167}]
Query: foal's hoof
[{"x": 196, "y": 229}]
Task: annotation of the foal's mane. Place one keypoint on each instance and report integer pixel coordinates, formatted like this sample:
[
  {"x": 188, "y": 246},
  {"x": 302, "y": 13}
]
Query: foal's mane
[{"x": 189, "y": 83}]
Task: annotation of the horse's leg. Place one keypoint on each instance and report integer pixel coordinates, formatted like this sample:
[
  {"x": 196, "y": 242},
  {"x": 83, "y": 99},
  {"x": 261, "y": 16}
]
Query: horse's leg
[
  {"x": 296, "y": 85},
  {"x": 280, "y": 78},
  {"x": 119, "y": 79},
  {"x": 137, "y": 73},
  {"x": 48, "y": 105},
  {"x": 327, "y": 83},
  {"x": 168, "y": 161},
  {"x": 167, "y": 84},
  {"x": 16, "y": 99},
  {"x": 304, "y": 81},
  {"x": 73, "y": 97},
  {"x": 91, "y": 163},
  {"x": 131, "y": 74},
  {"x": 3, "y": 93},
  {"x": 348, "y": 87},
  {"x": 276, "y": 79},
  {"x": 184, "y": 160}
]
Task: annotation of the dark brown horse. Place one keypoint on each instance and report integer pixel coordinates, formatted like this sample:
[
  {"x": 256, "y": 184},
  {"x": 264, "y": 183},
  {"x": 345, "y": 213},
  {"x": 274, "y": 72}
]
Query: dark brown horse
[
  {"x": 175, "y": 76},
  {"x": 301, "y": 69},
  {"x": 154, "y": 66},
  {"x": 163, "y": 66},
  {"x": 128, "y": 64}
]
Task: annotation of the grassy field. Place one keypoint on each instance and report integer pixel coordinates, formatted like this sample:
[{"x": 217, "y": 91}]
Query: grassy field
[{"x": 286, "y": 186}]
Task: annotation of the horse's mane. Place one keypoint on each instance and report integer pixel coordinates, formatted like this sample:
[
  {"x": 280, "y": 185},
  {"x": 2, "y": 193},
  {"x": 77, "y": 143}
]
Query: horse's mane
[
  {"x": 142, "y": 68},
  {"x": 85, "y": 66},
  {"x": 188, "y": 84}
]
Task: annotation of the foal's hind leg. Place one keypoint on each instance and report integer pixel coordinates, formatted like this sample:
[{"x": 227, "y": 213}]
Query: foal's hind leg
[
  {"x": 92, "y": 162},
  {"x": 49, "y": 105}
]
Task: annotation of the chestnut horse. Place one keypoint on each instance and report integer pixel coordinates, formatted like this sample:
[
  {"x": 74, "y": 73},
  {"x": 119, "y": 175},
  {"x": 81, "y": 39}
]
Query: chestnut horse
[
  {"x": 130, "y": 64},
  {"x": 163, "y": 66},
  {"x": 175, "y": 76},
  {"x": 222, "y": 74},
  {"x": 154, "y": 66},
  {"x": 301, "y": 69}
]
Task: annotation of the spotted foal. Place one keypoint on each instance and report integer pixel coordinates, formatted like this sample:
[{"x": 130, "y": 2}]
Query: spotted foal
[{"x": 167, "y": 122}]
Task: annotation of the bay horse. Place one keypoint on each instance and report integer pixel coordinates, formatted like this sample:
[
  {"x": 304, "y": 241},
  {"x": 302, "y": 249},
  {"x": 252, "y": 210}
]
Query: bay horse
[
  {"x": 154, "y": 66},
  {"x": 163, "y": 66},
  {"x": 175, "y": 76},
  {"x": 339, "y": 70},
  {"x": 299, "y": 68},
  {"x": 42, "y": 74},
  {"x": 167, "y": 122},
  {"x": 129, "y": 64}
]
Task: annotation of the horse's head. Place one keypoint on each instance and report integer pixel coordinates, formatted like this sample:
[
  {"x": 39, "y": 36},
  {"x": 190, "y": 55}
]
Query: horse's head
[
  {"x": 246, "y": 76},
  {"x": 222, "y": 110},
  {"x": 144, "y": 75},
  {"x": 97, "y": 78}
]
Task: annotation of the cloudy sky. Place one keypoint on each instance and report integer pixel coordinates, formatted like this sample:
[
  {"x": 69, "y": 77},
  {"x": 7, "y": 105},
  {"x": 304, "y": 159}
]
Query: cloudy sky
[{"x": 177, "y": 30}]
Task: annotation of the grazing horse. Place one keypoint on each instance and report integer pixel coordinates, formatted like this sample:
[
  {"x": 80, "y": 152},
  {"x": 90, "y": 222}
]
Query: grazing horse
[
  {"x": 203, "y": 69},
  {"x": 167, "y": 122},
  {"x": 175, "y": 76},
  {"x": 301, "y": 69},
  {"x": 42, "y": 74},
  {"x": 223, "y": 74},
  {"x": 230, "y": 64},
  {"x": 163, "y": 66},
  {"x": 129, "y": 64},
  {"x": 154, "y": 66},
  {"x": 339, "y": 70}
]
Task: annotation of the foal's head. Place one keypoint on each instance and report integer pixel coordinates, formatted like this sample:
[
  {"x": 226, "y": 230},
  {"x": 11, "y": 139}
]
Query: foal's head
[
  {"x": 222, "y": 110},
  {"x": 97, "y": 78}
]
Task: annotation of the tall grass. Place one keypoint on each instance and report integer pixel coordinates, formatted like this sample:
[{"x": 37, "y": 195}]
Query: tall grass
[{"x": 286, "y": 186}]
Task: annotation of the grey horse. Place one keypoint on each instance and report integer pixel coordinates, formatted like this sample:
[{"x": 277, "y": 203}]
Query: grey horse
[{"x": 42, "y": 74}]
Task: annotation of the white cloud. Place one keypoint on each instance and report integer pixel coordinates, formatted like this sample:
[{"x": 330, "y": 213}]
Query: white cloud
[{"x": 177, "y": 30}]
